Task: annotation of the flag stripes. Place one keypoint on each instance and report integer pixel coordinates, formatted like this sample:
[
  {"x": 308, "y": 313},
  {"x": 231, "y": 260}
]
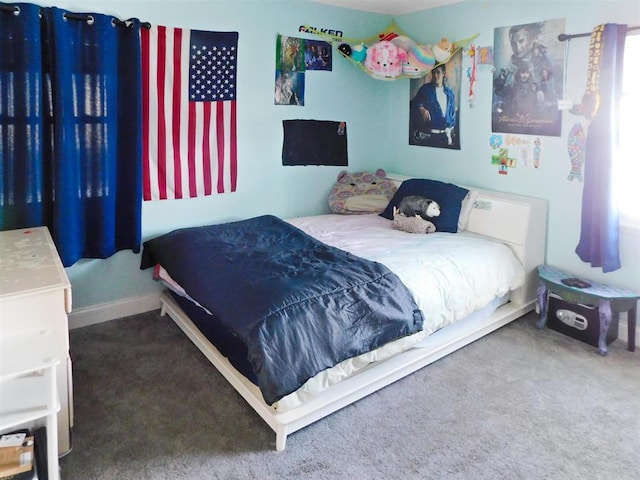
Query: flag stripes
[{"x": 189, "y": 147}]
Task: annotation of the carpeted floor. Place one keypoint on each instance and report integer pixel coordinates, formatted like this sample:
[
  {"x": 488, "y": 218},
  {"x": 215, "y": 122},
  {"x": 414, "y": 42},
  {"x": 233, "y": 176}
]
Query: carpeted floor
[{"x": 518, "y": 404}]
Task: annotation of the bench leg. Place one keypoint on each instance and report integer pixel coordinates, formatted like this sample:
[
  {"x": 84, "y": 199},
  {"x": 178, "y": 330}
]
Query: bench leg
[
  {"x": 632, "y": 315},
  {"x": 605, "y": 321},
  {"x": 543, "y": 304}
]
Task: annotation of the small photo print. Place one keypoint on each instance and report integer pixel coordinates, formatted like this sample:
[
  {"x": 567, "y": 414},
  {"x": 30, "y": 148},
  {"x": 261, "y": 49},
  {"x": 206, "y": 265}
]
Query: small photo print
[
  {"x": 317, "y": 55},
  {"x": 289, "y": 88},
  {"x": 290, "y": 54}
]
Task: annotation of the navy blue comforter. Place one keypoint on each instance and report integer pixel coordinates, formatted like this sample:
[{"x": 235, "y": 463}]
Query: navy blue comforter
[{"x": 300, "y": 306}]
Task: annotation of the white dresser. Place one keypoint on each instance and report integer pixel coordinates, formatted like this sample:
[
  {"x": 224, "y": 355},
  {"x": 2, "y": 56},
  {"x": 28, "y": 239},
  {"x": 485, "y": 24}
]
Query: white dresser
[{"x": 35, "y": 296}]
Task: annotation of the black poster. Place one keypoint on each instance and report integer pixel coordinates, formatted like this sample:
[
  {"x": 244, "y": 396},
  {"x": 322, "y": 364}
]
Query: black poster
[{"x": 314, "y": 142}]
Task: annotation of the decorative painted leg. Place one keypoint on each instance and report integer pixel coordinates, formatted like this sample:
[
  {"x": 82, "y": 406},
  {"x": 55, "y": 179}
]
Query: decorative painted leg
[
  {"x": 605, "y": 320},
  {"x": 632, "y": 316},
  {"x": 541, "y": 293}
]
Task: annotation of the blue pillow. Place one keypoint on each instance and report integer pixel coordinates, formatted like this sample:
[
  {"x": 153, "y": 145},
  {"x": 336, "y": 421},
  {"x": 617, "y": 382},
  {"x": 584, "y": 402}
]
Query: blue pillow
[{"x": 448, "y": 196}]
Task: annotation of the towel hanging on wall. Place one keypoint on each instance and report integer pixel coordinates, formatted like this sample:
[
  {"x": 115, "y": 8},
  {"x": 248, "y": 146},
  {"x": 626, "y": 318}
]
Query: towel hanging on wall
[{"x": 314, "y": 142}]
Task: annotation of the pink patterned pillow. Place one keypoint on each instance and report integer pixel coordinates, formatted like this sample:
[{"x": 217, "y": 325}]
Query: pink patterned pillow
[{"x": 361, "y": 192}]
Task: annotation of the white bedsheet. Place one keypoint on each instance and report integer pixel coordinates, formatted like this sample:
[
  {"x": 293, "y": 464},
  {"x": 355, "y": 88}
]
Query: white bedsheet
[{"x": 450, "y": 275}]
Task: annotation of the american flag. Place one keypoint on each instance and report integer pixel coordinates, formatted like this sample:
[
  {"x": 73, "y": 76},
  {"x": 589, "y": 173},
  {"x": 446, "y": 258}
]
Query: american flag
[{"x": 189, "y": 112}]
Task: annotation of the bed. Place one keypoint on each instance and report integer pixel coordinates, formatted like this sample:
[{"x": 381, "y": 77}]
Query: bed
[{"x": 426, "y": 316}]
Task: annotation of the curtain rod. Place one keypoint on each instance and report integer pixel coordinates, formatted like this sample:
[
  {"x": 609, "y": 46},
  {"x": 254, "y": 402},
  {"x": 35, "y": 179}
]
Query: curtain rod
[
  {"x": 73, "y": 16},
  {"x": 563, "y": 36},
  {"x": 10, "y": 8},
  {"x": 89, "y": 19}
]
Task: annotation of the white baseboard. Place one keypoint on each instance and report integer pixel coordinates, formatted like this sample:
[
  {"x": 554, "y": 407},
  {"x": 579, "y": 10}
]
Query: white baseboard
[{"x": 103, "y": 312}]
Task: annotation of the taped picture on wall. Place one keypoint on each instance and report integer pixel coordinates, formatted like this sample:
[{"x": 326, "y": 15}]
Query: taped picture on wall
[
  {"x": 318, "y": 55},
  {"x": 290, "y": 68},
  {"x": 509, "y": 151}
]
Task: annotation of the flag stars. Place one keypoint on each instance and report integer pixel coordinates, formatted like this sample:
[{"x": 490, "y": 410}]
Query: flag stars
[{"x": 212, "y": 72}]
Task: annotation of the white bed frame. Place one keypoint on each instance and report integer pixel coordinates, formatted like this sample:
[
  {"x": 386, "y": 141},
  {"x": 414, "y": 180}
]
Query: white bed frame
[{"x": 518, "y": 221}]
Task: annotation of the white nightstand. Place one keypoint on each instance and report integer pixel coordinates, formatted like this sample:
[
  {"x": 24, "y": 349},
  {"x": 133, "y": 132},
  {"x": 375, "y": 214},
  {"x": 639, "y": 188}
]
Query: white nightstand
[
  {"x": 35, "y": 296},
  {"x": 28, "y": 391}
]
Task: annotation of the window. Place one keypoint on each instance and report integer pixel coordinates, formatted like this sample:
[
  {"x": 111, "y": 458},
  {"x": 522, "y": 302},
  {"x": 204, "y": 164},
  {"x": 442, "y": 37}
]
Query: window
[{"x": 628, "y": 169}]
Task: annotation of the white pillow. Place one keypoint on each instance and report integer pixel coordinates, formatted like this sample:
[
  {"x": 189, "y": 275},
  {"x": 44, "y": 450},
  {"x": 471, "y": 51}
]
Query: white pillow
[{"x": 465, "y": 209}]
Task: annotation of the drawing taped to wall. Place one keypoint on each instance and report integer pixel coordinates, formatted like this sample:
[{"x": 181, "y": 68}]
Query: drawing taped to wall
[
  {"x": 527, "y": 81},
  {"x": 576, "y": 144},
  {"x": 485, "y": 58},
  {"x": 509, "y": 151}
]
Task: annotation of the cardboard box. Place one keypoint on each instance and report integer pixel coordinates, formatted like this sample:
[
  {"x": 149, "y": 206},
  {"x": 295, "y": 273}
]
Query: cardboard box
[{"x": 15, "y": 460}]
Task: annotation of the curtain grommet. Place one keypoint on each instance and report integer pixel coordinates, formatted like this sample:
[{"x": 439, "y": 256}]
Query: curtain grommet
[
  {"x": 90, "y": 20},
  {"x": 16, "y": 11}
]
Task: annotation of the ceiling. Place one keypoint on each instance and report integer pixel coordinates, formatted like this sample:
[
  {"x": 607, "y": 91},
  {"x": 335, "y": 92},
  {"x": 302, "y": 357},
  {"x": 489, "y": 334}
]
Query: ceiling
[{"x": 390, "y": 7}]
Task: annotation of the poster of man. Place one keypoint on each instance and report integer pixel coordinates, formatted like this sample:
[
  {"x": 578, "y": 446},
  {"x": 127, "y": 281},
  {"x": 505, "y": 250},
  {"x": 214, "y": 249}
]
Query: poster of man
[
  {"x": 434, "y": 107},
  {"x": 527, "y": 81}
]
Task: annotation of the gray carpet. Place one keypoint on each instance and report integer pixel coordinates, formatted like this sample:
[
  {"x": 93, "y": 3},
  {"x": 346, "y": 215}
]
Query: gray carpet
[{"x": 520, "y": 403}]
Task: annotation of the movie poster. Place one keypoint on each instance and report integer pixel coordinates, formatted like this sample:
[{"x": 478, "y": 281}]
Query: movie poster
[
  {"x": 528, "y": 78},
  {"x": 434, "y": 107}
]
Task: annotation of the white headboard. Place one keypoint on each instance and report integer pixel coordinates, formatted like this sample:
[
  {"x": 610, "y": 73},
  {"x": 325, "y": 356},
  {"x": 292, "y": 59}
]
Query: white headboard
[{"x": 516, "y": 220}]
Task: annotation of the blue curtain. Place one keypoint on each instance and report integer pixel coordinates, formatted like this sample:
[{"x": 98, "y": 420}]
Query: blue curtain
[
  {"x": 599, "y": 234},
  {"x": 70, "y": 129},
  {"x": 22, "y": 199}
]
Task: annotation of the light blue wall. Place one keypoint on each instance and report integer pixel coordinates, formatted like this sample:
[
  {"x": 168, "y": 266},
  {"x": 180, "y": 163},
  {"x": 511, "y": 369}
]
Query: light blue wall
[
  {"x": 264, "y": 185},
  {"x": 376, "y": 113},
  {"x": 471, "y": 165}
]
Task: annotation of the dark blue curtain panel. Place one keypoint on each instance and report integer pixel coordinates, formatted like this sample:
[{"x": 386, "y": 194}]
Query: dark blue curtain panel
[{"x": 71, "y": 153}]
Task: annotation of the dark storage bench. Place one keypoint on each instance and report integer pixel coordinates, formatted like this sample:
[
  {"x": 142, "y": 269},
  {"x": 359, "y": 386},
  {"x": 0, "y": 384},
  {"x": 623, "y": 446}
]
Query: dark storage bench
[{"x": 609, "y": 302}]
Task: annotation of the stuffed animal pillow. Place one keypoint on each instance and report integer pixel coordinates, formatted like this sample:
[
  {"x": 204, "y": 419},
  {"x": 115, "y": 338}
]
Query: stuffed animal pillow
[
  {"x": 361, "y": 192},
  {"x": 425, "y": 197},
  {"x": 443, "y": 50},
  {"x": 414, "y": 224},
  {"x": 419, "y": 206},
  {"x": 384, "y": 59},
  {"x": 419, "y": 62}
]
